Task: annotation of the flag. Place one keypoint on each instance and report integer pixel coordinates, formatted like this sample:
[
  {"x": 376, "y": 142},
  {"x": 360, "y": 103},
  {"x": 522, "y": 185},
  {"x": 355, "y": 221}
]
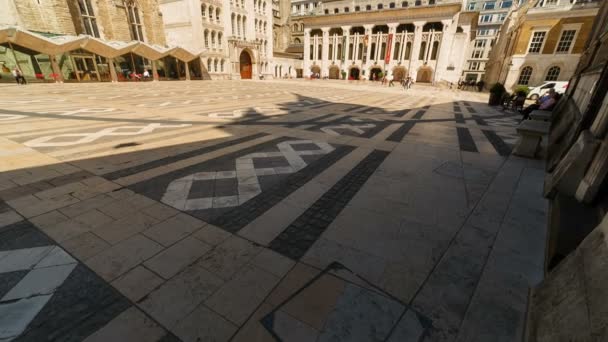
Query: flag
[{"x": 387, "y": 55}]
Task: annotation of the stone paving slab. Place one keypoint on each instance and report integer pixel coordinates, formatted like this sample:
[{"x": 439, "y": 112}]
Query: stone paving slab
[{"x": 217, "y": 211}]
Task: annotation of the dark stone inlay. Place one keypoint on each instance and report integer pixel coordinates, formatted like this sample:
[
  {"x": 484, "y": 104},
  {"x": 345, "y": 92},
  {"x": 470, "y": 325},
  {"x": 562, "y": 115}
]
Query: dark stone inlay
[
  {"x": 400, "y": 133},
  {"x": 20, "y": 235},
  {"x": 419, "y": 114},
  {"x": 459, "y": 118},
  {"x": 238, "y": 217},
  {"x": 500, "y": 146},
  {"x": 168, "y": 160},
  {"x": 479, "y": 120},
  {"x": 301, "y": 234},
  {"x": 471, "y": 109},
  {"x": 309, "y": 121},
  {"x": 465, "y": 140},
  {"x": 457, "y": 108},
  {"x": 80, "y": 306},
  {"x": 9, "y": 280},
  {"x": 31, "y": 188},
  {"x": 402, "y": 113}
]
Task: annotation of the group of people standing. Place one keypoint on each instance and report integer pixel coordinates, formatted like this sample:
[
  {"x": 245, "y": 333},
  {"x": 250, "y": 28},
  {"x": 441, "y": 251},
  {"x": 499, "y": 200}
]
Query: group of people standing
[
  {"x": 18, "y": 75},
  {"x": 406, "y": 82}
]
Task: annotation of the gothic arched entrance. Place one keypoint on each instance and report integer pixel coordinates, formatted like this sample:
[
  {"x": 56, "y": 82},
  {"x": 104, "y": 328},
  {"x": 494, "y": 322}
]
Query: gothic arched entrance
[
  {"x": 245, "y": 65},
  {"x": 374, "y": 74},
  {"x": 315, "y": 69},
  {"x": 334, "y": 72},
  {"x": 424, "y": 75},
  {"x": 353, "y": 74},
  {"x": 399, "y": 73}
]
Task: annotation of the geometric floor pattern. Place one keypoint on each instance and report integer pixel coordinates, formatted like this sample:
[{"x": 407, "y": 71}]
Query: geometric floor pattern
[{"x": 286, "y": 210}]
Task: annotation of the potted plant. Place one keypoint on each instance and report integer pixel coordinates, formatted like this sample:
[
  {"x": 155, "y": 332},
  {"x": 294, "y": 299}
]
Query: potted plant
[
  {"x": 343, "y": 74},
  {"x": 496, "y": 93}
]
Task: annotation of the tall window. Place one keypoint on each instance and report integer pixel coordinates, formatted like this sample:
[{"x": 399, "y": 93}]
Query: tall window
[
  {"x": 536, "y": 43},
  {"x": 486, "y": 18},
  {"x": 404, "y": 4},
  {"x": 434, "y": 50},
  {"x": 422, "y": 51},
  {"x": 408, "y": 50},
  {"x": 368, "y": 7},
  {"x": 396, "y": 51},
  {"x": 88, "y": 18},
  {"x": 380, "y": 6},
  {"x": 489, "y": 5},
  {"x": 553, "y": 73},
  {"x": 565, "y": 42},
  {"x": 524, "y": 76},
  {"x": 204, "y": 12},
  {"x": 357, "y": 8},
  {"x": 506, "y": 4},
  {"x": 391, "y": 5},
  {"x": 134, "y": 21}
]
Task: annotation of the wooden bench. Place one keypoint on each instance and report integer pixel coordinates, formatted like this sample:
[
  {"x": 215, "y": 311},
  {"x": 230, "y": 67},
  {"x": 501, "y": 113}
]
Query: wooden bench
[
  {"x": 541, "y": 115},
  {"x": 531, "y": 133}
]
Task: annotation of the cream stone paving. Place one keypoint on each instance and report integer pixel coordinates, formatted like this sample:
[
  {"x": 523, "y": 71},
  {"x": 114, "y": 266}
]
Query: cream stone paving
[{"x": 408, "y": 199}]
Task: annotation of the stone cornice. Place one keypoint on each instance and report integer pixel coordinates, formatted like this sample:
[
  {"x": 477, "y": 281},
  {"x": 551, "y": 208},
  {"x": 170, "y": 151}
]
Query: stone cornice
[{"x": 401, "y": 15}]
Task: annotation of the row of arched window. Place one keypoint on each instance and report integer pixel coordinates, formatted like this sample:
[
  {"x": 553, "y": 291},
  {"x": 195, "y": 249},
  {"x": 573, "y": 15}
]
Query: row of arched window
[
  {"x": 297, "y": 27},
  {"x": 216, "y": 65},
  {"x": 263, "y": 46},
  {"x": 526, "y": 73},
  {"x": 237, "y": 3},
  {"x": 379, "y": 6},
  {"x": 213, "y": 39},
  {"x": 261, "y": 26},
  {"x": 239, "y": 25},
  {"x": 423, "y": 54},
  {"x": 259, "y": 6},
  {"x": 210, "y": 13}
]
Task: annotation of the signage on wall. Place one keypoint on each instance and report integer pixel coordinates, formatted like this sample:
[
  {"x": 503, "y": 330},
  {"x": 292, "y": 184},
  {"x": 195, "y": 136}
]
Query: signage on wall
[{"x": 389, "y": 41}]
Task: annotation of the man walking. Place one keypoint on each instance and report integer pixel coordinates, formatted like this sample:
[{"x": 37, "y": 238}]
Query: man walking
[{"x": 390, "y": 81}]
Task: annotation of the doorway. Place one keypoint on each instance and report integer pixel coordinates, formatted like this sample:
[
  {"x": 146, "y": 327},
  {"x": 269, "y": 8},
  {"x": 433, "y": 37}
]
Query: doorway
[
  {"x": 374, "y": 74},
  {"x": 334, "y": 73},
  {"x": 86, "y": 68},
  {"x": 245, "y": 65},
  {"x": 424, "y": 75},
  {"x": 353, "y": 74}
]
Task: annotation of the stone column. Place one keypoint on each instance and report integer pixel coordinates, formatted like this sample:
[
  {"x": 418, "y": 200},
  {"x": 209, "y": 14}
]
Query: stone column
[
  {"x": 368, "y": 32},
  {"x": 416, "y": 47},
  {"x": 57, "y": 70},
  {"x": 392, "y": 29},
  {"x": 112, "y": 67},
  {"x": 346, "y": 39},
  {"x": 154, "y": 71},
  {"x": 307, "y": 61},
  {"x": 325, "y": 51},
  {"x": 443, "y": 57},
  {"x": 187, "y": 70}
]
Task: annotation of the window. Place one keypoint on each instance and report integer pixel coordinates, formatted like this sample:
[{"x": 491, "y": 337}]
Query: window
[
  {"x": 524, "y": 76},
  {"x": 502, "y": 17},
  {"x": 431, "y": 2},
  {"x": 217, "y": 15},
  {"x": 134, "y": 22},
  {"x": 471, "y": 6},
  {"x": 550, "y": 2},
  {"x": 482, "y": 32},
  {"x": 357, "y": 8},
  {"x": 506, "y": 4},
  {"x": 88, "y": 18},
  {"x": 486, "y": 18},
  {"x": 477, "y": 54},
  {"x": 474, "y": 66},
  {"x": 336, "y": 10},
  {"x": 422, "y": 51},
  {"x": 380, "y": 6},
  {"x": 434, "y": 50},
  {"x": 391, "y": 5},
  {"x": 536, "y": 42},
  {"x": 326, "y": 11},
  {"x": 552, "y": 73},
  {"x": 298, "y": 7},
  {"x": 346, "y": 10},
  {"x": 204, "y": 12},
  {"x": 480, "y": 43},
  {"x": 565, "y": 42},
  {"x": 368, "y": 7},
  {"x": 404, "y": 4},
  {"x": 418, "y": 3},
  {"x": 489, "y": 5}
]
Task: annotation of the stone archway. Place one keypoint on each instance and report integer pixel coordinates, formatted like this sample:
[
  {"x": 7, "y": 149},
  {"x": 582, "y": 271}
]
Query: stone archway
[
  {"x": 334, "y": 72},
  {"x": 424, "y": 75},
  {"x": 246, "y": 65},
  {"x": 315, "y": 69},
  {"x": 374, "y": 74},
  {"x": 353, "y": 73},
  {"x": 399, "y": 73}
]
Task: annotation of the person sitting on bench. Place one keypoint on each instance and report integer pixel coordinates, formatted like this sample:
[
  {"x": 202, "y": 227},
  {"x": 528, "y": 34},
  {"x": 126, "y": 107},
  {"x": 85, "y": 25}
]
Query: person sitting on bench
[{"x": 545, "y": 102}]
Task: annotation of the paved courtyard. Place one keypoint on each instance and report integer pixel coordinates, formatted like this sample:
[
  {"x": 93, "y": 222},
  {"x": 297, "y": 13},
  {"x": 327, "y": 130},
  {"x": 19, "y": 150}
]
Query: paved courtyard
[{"x": 263, "y": 211}]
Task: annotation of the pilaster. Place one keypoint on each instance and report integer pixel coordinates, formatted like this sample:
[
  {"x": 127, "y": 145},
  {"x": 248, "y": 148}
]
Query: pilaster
[
  {"x": 413, "y": 63},
  {"x": 325, "y": 51},
  {"x": 307, "y": 61}
]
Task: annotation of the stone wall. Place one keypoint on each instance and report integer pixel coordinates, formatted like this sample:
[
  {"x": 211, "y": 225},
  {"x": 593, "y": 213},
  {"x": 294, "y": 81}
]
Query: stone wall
[{"x": 52, "y": 16}]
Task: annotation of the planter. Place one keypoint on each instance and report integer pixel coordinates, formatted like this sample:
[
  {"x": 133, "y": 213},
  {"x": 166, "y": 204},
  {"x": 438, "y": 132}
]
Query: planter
[{"x": 495, "y": 99}]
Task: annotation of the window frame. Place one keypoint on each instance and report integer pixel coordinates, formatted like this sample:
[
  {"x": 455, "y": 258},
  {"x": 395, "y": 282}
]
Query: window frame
[
  {"x": 553, "y": 67},
  {"x": 471, "y": 6},
  {"x": 576, "y": 29},
  {"x": 89, "y": 18},
  {"x": 485, "y": 5},
  {"x": 542, "y": 45},
  {"x": 135, "y": 27},
  {"x": 529, "y": 77}
]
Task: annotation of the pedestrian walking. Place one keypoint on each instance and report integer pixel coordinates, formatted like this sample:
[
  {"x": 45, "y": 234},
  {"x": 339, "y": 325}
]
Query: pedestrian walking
[
  {"x": 19, "y": 76},
  {"x": 390, "y": 81}
]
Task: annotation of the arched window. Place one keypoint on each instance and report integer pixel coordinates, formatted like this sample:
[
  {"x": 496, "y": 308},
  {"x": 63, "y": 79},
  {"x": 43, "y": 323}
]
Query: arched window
[
  {"x": 380, "y": 6},
  {"x": 209, "y": 65},
  {"x": 213, "y": 38},
  {"x": 336, "y": 10},
  {"x": 391, "y": 5},
  {"x": 339, "y": 51},
  {"x": 382, "y": 50},
  {"x": 346, "y": 10},
  {"x": 368, "y": 7},
  {"x": 297, "y": 41},
  {"x": 244, "y": 26},
  {"x": 302, "y": 27},
  {"x": 204, "y": 11},
  {"x": 295, "y": 27},
  {"x": 233, "y": 25},
  {"x": 217, "y": 15},
  {"x": 238, "y": 25},
  {"x": 210, "y": 13},
  {"x": 553, "y": 73},
  {"x": 404, "y": 4},
  {"x": 222, "y": 65},
  {"x": 431, "y": 2},
  {"x": 418, "y": 3},
  {"x": 408, "y": 50},
  {"x": 372, "y": 55},
  {"x": 350, "y": 51},
  {"x": 524, "y": 76},
  {"x": 206, "y": 38},
  {"x": 434, "y": 50},
  {"x": 219, "y": 40},
  {"x": 331, "y": 51},
  {"x": 215, "y": 65},
  {"x": 360, "y": 53},
  {"x": 312, "y": 50},
  {"x": 320, "y": 50},
  {"x": 396, "y": 52},
  {"x": 422, "y": 51}
]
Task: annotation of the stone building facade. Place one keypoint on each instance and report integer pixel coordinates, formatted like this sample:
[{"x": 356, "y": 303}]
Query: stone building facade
[
  {"x": 541, "y": 42},
  {"x": 420, "y": 39},
  {"x": 234, "y": 37},
  {"x": 121, "y": 20}
]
